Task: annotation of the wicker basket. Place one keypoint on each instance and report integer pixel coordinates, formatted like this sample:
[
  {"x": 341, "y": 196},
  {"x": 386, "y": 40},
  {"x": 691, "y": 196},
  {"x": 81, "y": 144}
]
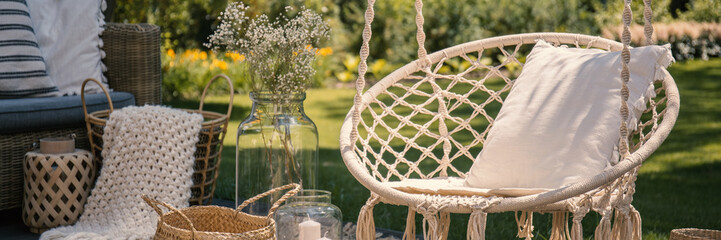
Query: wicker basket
[
  {"x": 56, "y": 188},
  {"x": 695, "y": 234},
  {"x": 214, "y": 222},
  {"x": 134, "y": 49},
  {"x": 208, "y": 149}
]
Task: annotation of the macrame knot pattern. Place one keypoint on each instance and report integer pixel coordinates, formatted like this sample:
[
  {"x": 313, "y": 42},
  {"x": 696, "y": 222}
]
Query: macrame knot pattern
[
  {"x": 579, "y": 207},
  {"x": 477, "y": 222}
]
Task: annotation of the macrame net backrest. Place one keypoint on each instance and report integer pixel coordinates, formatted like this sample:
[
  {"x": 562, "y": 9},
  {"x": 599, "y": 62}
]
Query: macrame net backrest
[{"x": 430, "y": 118}]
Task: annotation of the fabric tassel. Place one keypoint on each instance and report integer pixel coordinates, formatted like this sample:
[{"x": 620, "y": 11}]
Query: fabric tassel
[
  {"x": 430, "y": 226},
  {"x": 410, "y": 233},
  {"x": 525, "y": 225},
  {"x": 622, "y": 225},
  {"x": 477, "y": 225},
  {"x": 366, "y": 228},
  {"x": 663, "y": 62},
  {"x": 559, "y": 226},
  {"x": 444, "y": 225},
  {"x": 577, "y": 228},
  {"x": 603, "y": 230},
  {"x": 636, "y": 221},
  {"x": 667, "y": 58}
]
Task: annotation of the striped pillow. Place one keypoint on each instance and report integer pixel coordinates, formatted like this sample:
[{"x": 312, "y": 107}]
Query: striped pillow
[{"x": 22, "y": 69}]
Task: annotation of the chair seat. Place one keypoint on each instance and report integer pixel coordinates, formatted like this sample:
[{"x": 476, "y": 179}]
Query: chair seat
[
  {"x": 35, "y": 114},
  {"x": 454, "y": 186}
]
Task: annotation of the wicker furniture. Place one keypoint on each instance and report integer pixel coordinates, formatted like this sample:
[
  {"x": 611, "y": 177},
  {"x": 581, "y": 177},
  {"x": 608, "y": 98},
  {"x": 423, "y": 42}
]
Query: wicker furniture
[
  {"x": 419, "y": 123},
  {"x": 133, "y": 62}
]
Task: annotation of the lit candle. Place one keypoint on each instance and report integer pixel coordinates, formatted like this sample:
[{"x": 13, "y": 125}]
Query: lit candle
[{"x": 309, "y": 230}]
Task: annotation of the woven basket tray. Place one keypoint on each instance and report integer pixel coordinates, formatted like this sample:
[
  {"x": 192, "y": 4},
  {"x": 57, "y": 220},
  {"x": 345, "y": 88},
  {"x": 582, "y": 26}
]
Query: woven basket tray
[
  {"x": 214, "y": 222},
  {"x": 694, "y": 234},
  {"x": 208, "y": 149}
]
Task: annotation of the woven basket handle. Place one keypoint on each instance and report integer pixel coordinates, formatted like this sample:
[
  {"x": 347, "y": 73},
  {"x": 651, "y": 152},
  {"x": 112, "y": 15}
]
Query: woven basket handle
[
  {"x": 155, "y": 204},
  {"x": 232, "y": 93},
  {"x": 82, "y": 96},
  {"x": 295, "y": 189}
]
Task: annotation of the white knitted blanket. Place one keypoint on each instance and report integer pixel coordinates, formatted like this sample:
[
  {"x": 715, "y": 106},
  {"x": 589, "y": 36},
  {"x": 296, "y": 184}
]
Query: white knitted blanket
[{"x": 147, "y": 150}]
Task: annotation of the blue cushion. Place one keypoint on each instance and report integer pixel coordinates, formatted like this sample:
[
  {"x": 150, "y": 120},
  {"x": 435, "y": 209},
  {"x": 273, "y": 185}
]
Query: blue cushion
[{"x": 33, "y": 114}]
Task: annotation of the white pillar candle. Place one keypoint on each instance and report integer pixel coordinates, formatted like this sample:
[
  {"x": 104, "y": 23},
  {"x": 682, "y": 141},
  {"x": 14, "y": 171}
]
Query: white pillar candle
[{"x": 309, "y": 230}]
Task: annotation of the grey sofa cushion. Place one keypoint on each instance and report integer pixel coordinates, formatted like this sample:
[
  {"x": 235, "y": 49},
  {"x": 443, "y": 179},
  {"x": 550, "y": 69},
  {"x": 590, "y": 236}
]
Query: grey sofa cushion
[{"x": 33, "y": 114}]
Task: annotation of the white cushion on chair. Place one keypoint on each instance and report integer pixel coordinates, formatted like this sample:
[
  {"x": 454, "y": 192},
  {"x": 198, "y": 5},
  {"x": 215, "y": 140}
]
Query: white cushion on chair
[
  {"x": 454, "y": 186},
  {"x": 68, "y": 33},
  {"x": 560, "y": 122}
]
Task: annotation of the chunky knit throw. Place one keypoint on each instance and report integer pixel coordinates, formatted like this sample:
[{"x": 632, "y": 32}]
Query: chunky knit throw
[{"x": 147, "y": 150}]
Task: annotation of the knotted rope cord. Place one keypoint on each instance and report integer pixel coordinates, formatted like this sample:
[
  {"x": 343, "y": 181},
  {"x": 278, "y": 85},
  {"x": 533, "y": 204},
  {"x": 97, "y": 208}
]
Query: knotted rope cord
[
  {"x": 421, "y": 36},
  {"x": 647, "y": 24},
  {"x": 625, "y": 75},
  {"x": 362, "y": 69},
  {"x": 579, "y": 207},
  {"x": 430, "y": 208},
  {"x": 477, "y": 221}
]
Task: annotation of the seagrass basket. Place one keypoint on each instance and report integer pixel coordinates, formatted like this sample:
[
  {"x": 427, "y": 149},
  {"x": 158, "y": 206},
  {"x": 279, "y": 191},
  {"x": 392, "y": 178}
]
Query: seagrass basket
[
  {"x": 695, "y": 234},
  {"x": 208, "y": 149},
  {"x": 214, "y": 222}
]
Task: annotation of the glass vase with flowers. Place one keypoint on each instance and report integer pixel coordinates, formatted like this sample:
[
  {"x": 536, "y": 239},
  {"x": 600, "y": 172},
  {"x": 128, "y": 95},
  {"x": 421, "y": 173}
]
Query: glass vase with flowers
[{"x": 277, "y": 143}]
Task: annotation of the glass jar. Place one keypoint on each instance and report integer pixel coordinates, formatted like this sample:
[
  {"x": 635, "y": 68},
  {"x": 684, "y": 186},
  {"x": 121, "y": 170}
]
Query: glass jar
[
  {"x": 277, "y": 144},
  {"x": 309, "y": 215}
]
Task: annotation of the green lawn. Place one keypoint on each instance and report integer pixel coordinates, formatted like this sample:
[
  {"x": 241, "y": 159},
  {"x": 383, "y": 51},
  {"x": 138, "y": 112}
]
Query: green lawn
[{"x": 679, "y": 186}]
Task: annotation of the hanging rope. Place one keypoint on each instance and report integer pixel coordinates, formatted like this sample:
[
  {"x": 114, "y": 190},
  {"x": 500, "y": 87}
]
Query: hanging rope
[
  {"x": 362, "y": 69},
  {"x": 625, "y": 59},
  {"x": 421, "y": 36},
  {"x": 648, "y": 17},
  {"x": 579, "y": 209}
]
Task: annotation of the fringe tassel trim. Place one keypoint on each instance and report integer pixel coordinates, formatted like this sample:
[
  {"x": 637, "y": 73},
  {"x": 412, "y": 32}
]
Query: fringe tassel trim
[
  {"x": 636, "y": 221},
  {"x": 559, "y": 226},
  {"x": 525, "y": 225},
  {"x": 603, "y": 230},
  {"x": 366, "y": 225},
  {"x": 430, "y": 226},
  {"x": 410, "y": 233},
  {"x": 477, "y": 225}
]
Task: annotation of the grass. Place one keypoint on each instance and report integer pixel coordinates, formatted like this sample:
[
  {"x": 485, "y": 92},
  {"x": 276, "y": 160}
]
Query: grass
[{"x": 678, "y": 186}]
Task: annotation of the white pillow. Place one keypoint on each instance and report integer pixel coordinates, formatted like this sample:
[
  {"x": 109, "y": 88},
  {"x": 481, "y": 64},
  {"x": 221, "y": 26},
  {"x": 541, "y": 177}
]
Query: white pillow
[
  {"x": 22, "y": 68},
  {"x": 560, "y": 122},
  {"x": 68, "y": 32}
]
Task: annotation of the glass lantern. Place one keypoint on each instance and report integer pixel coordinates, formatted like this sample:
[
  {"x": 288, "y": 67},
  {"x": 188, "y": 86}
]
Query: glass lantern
[{"x": 309, "y": 216}]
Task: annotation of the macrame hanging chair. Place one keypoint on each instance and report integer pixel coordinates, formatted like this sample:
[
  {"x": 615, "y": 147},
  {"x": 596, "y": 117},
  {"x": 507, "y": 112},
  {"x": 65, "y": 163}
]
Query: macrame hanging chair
[{"x": 366, "y": 139}]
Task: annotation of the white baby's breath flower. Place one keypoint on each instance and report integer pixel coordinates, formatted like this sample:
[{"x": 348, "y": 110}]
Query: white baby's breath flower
[{"x": 278, "y": 54}]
